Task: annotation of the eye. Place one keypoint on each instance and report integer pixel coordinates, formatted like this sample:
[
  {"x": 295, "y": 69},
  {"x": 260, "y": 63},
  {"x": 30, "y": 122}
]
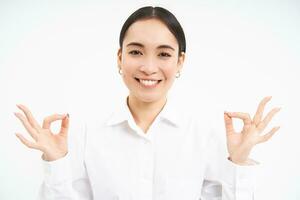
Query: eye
[
  {"x": 164, "y": 54},
  {"x": 135, "y": 52}
]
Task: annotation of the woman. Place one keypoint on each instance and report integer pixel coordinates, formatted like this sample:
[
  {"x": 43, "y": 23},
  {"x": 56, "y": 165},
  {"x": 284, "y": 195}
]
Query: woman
[{"x": 147, "y": 149}]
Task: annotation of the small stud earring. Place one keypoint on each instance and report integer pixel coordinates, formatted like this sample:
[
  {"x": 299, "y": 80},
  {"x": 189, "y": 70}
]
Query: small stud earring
[
  {"x": 177, "y": 74},
  {"x": 120, "y": 71}
]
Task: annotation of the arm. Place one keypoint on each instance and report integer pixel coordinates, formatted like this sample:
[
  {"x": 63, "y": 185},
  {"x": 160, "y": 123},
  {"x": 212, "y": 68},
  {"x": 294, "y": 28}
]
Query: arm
[
  {"x": 65, "y": 182},
  {"x": 223, "y": 179}
]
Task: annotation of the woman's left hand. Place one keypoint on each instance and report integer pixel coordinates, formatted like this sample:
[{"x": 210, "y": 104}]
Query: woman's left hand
[{"x": 239, "y": 144}]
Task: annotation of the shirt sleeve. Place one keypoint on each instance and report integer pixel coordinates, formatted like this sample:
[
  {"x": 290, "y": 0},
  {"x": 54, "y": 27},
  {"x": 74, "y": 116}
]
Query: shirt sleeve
[
  {"x": 223, "y": 179},
  {"x": 66, "y": 178}
]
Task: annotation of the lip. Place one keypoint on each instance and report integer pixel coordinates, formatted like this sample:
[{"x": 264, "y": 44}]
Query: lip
[{"x": 147, "y": 79}]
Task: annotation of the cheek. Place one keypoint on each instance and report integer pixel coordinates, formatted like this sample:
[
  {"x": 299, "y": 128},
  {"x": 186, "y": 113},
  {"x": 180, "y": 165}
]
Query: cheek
[
  {"x": 129, "y": 65},
  {"x": 170, "y": 70}
]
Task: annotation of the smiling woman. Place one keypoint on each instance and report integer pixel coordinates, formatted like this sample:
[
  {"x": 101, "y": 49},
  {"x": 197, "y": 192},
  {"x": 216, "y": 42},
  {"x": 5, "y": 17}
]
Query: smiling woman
[{"x": 148, "y": 149}]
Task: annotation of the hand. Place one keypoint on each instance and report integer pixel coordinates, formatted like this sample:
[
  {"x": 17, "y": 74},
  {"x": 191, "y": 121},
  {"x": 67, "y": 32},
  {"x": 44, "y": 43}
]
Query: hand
[
  {"x": 239, "y": 144},
  {"x": 54, "y": 146}
]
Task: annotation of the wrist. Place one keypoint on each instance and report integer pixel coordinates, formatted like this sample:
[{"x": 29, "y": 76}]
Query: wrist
[
  {"x": 53, "y": 156},
  {"x": 246, "y": 162}
]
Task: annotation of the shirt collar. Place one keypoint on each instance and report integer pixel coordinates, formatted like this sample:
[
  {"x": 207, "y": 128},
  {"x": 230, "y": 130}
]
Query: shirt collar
[{"x": 122, "y": 113}]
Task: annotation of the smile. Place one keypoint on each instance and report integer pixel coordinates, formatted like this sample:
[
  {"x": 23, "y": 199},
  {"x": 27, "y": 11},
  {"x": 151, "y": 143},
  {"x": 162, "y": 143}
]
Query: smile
[{"x": 148, "y": 83}]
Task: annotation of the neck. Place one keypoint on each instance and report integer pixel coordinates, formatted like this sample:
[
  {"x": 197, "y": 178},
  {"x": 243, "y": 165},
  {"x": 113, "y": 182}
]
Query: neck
[{"x": 144, "y": 113}]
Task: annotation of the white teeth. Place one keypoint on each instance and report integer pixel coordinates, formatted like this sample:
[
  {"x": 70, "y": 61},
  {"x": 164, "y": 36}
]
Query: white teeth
[{"x": 148, "y": 82}]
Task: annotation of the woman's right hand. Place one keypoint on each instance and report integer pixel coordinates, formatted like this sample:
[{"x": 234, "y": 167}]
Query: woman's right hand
[{"x": 54, "y": 146}]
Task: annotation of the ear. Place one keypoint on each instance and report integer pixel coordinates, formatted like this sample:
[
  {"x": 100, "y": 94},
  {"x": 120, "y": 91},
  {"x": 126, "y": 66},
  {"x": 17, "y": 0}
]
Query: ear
[
  {"x": 180, "y": 62},
  {"x": 119, "y": 58}
]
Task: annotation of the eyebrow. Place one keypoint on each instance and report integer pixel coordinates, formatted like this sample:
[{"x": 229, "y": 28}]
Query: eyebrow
[{"x": 163, "y": 46}]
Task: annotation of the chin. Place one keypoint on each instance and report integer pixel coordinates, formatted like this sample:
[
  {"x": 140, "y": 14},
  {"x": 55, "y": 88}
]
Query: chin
[{"x": 149, "y": 98}]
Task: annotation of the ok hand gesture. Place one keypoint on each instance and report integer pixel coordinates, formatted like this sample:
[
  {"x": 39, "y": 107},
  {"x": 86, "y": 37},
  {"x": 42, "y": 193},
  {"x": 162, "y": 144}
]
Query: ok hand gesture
[
  {"x": 239, "y": 144},
  {"x": 54, "y": 146}
]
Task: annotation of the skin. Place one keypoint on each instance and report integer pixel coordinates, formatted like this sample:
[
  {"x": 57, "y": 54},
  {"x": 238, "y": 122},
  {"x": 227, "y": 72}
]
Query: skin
[
  {"x": 240, "y": 144},
  {"x": 150, "y": 51},
  {"x": 53, "y": 146}
]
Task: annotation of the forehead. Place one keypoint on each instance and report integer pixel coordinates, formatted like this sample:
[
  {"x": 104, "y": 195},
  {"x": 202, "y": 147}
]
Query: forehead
[{"x": 150, "y": 32}]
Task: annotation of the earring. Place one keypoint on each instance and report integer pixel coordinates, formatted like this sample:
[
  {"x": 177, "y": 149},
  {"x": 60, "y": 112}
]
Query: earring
[
  {"x": 120, "y": 71},
  {"x": 177, "y": 74}
]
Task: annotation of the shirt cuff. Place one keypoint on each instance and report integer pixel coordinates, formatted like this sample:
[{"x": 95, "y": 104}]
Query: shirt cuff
[
  {"x": 58, "y": 171},
  {"x": 240, "y": 175}
]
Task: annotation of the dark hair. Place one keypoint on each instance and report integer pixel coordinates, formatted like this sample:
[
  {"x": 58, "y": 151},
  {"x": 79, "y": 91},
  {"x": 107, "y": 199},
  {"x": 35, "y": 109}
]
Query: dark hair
[{"x": 161, "y": 14}]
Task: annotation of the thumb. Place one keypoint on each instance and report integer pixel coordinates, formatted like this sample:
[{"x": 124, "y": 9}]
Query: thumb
[
  {"x": 228, "y": 123},
  {"x": 65, "y": 125}
]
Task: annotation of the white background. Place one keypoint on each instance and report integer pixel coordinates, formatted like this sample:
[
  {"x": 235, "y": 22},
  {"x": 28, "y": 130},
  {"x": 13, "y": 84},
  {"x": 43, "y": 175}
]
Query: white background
[{"x": 60, "y": 56}]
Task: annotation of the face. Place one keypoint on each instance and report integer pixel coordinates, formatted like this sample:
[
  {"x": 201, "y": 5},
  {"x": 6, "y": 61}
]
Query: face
[{"x": 149, "y": 60}]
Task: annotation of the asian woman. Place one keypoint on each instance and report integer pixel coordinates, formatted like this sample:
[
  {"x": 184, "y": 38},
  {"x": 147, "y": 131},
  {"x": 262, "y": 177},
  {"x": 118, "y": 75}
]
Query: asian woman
[{"x": 146, "y": 149}]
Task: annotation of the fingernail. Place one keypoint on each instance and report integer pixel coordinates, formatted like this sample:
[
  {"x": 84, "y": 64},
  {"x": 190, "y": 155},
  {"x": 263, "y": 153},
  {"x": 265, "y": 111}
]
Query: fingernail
[{"x": 68, "y": 115}]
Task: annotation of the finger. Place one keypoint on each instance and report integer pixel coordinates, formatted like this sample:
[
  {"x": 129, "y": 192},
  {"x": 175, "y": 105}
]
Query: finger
[
  {"x": 26, "y": 142},
  {"x": 267, "y": 136},
  {"x": 48, "y": 120},
  {"x": 65, "y": 125},
  {"x": 29, "y": 117},
  {"x": 243, "y": 116},
  {"x": 262, "y": 125},
  {"x": 27, "y": 126},
  {"x": 259, "y": 113},
  {"x": 228, "y": 123}
]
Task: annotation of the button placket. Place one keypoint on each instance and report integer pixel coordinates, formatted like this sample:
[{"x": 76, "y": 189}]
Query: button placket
[
  {"x": 147, "y": 158},
  {"x": 146, "y": 176}
]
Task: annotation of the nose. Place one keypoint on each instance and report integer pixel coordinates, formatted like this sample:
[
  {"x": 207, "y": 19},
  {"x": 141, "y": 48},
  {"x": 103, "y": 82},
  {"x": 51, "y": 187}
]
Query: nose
[{"x": 149, "y": 66}]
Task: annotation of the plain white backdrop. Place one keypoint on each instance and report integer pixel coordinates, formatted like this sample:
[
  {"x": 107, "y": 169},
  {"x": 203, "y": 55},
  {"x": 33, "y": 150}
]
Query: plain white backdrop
[{"x": 60, "y": 56}]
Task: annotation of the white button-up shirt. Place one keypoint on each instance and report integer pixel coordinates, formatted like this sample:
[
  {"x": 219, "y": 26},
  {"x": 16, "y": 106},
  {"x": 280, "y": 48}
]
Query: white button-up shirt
[{"x": 181, "y": 157}]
